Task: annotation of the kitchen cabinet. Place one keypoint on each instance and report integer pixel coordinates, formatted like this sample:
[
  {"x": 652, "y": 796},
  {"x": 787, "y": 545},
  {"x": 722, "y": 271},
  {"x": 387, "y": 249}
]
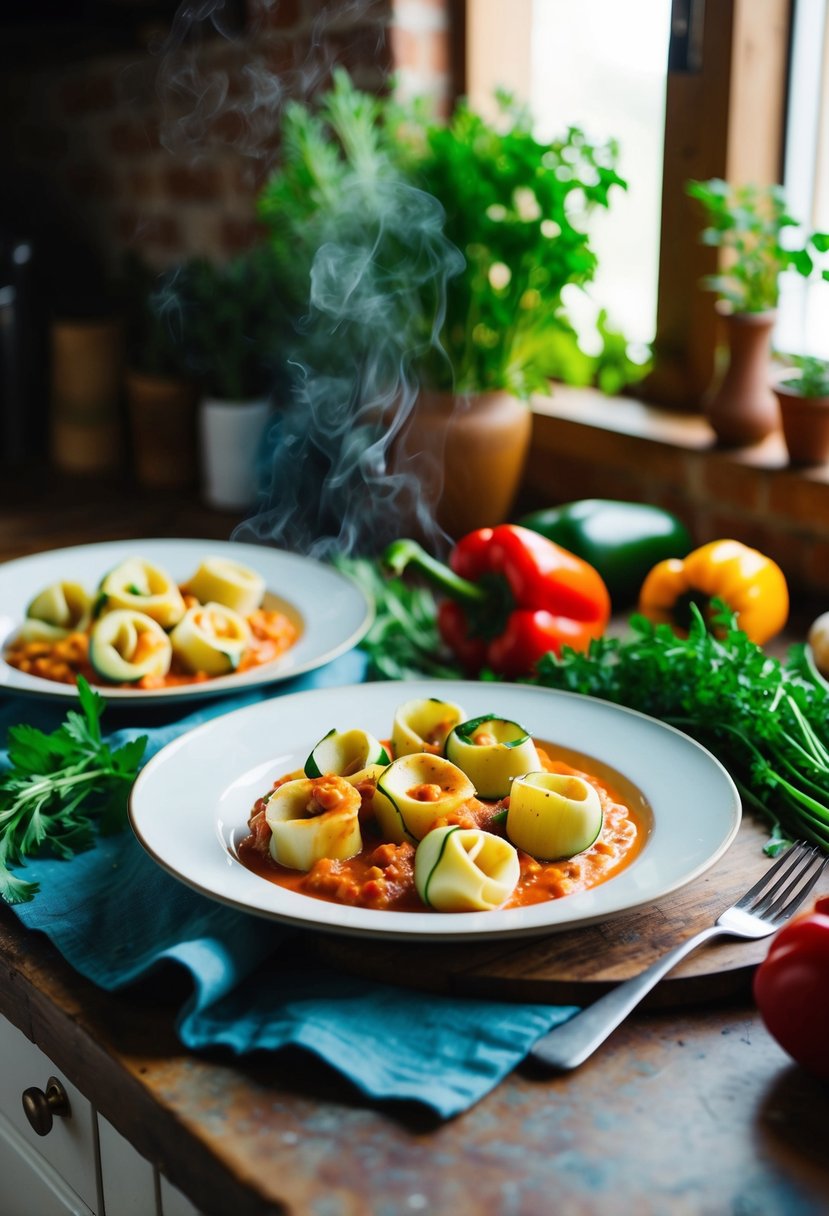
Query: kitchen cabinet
[{"x": 81, "y": 1166}]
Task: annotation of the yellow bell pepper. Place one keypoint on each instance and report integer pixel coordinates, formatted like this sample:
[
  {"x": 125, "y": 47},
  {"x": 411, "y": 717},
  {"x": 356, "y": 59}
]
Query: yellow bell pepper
[{"x": 751, "y": 584}]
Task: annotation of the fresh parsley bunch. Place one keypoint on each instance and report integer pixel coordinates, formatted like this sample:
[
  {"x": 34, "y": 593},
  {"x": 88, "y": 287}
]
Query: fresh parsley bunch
[
  {"x": 767, "y": 720},
  {"x": 58, "y": 787}
]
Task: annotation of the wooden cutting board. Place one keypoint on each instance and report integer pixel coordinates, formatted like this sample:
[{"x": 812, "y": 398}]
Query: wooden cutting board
[{"x": 575, "y": 966}]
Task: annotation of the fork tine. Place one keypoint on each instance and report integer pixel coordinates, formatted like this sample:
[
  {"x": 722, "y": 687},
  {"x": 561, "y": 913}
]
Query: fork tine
[
  {"x": 794, "y": 894},
  {"x": 782, "y": 866}
]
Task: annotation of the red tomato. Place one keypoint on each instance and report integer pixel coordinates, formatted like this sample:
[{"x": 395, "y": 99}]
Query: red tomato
[{"x": 791, "y": 988}]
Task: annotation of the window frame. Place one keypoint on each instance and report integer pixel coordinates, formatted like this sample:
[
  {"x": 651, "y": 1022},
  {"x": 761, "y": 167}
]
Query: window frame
[{"x": 725, "y": 114}]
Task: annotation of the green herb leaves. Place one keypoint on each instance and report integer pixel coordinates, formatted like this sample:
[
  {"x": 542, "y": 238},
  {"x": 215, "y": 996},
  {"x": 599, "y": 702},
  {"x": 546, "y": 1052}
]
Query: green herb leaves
[
  {"x": 58, "y": 787},
  {"x": 765, "y": 720}
]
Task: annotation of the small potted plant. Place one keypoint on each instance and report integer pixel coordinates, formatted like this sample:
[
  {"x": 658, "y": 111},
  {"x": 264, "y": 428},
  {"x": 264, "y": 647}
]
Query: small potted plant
[
  {"x": 233, "y": 332},
  {"x": 803, "y": 399},
  {"x": 160, "y": 394},
  {"x": 760, "y": 241}
]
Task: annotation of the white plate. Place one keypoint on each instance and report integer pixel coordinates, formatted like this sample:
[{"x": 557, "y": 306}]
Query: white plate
[
  {"x": 190, "y": 804},
  {"x": 331, "y": 611}
]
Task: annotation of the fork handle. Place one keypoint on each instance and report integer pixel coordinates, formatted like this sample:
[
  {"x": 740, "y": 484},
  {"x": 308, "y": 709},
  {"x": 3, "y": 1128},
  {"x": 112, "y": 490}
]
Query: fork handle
[{"x": 570, "y": 1044}]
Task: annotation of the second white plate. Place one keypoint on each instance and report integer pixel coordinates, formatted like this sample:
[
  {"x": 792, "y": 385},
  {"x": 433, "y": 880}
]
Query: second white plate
[{"x": 330, "y": 610}]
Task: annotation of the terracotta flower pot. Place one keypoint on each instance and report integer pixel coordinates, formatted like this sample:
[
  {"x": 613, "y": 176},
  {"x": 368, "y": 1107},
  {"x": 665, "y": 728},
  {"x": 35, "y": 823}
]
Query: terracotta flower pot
[
  {"x": 468, "y": 451},
  {"x": 86, "y": 374},
  {"x": 742, "y": 409},
  {"x": 162, "y": 417},
  {"x": 805, "y": 423}
]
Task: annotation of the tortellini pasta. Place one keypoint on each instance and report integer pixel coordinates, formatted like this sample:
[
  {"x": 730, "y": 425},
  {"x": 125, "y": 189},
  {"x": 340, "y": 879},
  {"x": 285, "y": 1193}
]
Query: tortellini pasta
[
  {"x": 210, "y": 638},
  {"x": 313, "y": 818},
  {"x": 492, "y": 752},
  {"x": 219, "y": 580},
  {"x": 465, "y": 870},
  {"x": 553, "y": 815},
  {"x": 423, "y": 724},
  {"x": 416, "y": 790},
  {"x": 125, "y": 646},
  {"x": 57, "y": 611},
  {"x": 349, "y": 753},
  {"x": 144, "y": 587}
]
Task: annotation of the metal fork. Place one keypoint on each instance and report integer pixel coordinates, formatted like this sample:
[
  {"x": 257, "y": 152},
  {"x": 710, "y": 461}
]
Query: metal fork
[{"x": 762, "y": 910}]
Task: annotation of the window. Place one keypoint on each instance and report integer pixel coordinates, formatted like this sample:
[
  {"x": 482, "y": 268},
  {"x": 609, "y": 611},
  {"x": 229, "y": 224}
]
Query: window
[{"x": 693, "y": 90}]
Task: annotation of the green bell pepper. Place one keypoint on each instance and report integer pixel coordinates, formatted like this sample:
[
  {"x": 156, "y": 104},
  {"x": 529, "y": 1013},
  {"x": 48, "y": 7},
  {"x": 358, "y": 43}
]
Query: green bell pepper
[{"x": 622, "y": 540}]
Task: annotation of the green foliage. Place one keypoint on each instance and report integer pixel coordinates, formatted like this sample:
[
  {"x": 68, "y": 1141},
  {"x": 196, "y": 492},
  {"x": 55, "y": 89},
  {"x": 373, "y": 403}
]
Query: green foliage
[
  {"x": 517, "y": 209},
  {"x": 761, "y": 239},
  {"x": 233, "y": 321},
  {"x": 480, "y": 307},
  {"x": 813, "y": 380},
  {"x": 58, "y": 787},
  {"x": 765, "y": 719},
  {"x": 403, "y": 641}
]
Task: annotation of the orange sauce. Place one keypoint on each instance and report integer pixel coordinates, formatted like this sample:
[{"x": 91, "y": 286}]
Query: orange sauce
[{"x": 381, "y": 875}]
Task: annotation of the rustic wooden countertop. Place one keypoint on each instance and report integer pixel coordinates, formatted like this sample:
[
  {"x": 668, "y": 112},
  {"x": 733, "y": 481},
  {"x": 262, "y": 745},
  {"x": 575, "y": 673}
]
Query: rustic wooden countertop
[{"x": 686, "y": 1110}]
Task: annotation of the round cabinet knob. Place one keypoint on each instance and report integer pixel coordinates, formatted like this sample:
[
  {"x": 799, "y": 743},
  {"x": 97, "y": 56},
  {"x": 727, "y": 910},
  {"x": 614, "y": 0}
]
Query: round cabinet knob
[{"x": 41, "y": 1107}]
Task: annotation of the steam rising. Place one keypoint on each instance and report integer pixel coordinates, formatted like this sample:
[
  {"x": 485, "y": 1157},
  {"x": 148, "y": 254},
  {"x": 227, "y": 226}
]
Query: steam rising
[{"x": 334, "y": 475}]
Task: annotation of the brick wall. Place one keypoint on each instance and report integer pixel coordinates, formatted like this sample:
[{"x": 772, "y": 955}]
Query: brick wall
[
  {"x": 163, "y": 151},
  {"x": 588, "y": 446}
]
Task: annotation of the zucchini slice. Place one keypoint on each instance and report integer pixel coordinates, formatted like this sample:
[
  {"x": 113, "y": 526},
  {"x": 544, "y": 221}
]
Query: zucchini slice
[
  {"x": 553, "y": 816},
  {"x": 143, "y": 587},
  {"x": 313, "y": 818},
  {"x": 210, "y": 638},
  {"x": 56, "y": 611},
  {"x": 221, "y": 581},
  {"x": 465, "y": 870},
  {"x": 125, "y": 646},
  {"x": 416, "y": 790},
  {"x": 423, "y": 724},
  {"x": 347, "y": 753},
  {"x": 492, "y": 752}
]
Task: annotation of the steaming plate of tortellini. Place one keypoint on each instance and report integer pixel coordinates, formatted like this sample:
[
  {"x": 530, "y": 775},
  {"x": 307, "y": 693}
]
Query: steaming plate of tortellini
[
  {"x": 144, "y": 621},
  {"x": 191, "y": 804}
]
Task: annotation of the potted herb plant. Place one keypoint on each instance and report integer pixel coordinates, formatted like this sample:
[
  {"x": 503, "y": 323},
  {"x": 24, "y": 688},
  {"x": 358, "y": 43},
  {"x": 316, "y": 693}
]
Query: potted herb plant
[
  {"x": 760, "y": 241},
  {"x": 233, "y": 333},
  {"x": 803, "y": 399},
  {"x": 430, "y": 257},
  {"x": 160, "y": 394},
  {"x": 517, "y": 208}
]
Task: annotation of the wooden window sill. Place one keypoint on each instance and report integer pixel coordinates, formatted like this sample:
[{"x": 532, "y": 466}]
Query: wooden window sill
[{"x": 587, "y": 445}]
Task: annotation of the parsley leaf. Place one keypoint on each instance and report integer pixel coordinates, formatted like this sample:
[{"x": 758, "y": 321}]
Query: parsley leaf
[{"x": 59, "y": 787}]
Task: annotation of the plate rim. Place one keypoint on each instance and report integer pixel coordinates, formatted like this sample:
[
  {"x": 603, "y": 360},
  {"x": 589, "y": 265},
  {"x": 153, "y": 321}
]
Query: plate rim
[
  {"x": 448, "y": 927},
  {"x": 22, "y": 683}
]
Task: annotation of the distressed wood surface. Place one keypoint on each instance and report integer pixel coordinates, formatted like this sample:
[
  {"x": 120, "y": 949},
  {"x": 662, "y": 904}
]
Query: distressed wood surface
[
  {"x": 577, "y": 965},
  {"x": 684, "y": 1112}
]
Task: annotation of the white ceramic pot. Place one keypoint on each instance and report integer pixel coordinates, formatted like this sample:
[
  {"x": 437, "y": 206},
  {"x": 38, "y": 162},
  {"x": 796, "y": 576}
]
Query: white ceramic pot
[{"x": 229, "y": 436}]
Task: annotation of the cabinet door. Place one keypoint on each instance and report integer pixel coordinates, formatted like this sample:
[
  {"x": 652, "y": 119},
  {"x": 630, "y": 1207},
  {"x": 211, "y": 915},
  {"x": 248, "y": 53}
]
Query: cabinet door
[
  {"x": 128, "y": 1180},
  {"x": 70, "y": 1147},
  {"x": 28, "y": 1184}
]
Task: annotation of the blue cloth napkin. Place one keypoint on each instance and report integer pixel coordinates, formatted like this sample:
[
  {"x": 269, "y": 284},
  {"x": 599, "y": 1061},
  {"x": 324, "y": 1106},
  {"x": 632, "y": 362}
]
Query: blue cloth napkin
[{"x": 116, "y": 916}]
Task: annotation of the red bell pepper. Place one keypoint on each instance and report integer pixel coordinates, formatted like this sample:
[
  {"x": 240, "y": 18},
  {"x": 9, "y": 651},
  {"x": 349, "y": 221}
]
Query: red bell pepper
[
  {"x": 513, "y": 596},
  {"x": 791, "y": 988}
]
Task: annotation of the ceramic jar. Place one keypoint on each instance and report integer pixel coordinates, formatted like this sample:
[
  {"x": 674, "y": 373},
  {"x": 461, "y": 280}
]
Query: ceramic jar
[
  {"x": 805, "y": 423},
  {"x": 469, "y": 451},
  {"x": 162, "y": 427},
  {"x": 742, "y": 409}
]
